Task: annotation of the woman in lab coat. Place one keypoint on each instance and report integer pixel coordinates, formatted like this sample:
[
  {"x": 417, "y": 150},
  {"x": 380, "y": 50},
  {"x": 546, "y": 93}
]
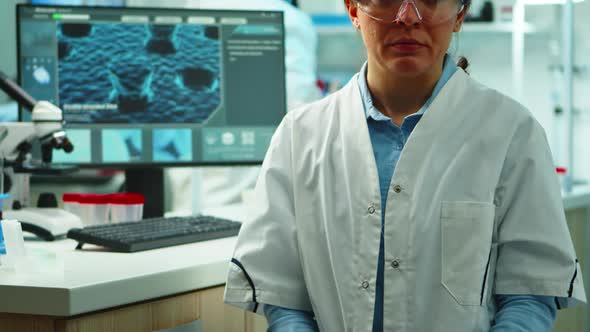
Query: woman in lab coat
[{"x": 413, "y": 199}]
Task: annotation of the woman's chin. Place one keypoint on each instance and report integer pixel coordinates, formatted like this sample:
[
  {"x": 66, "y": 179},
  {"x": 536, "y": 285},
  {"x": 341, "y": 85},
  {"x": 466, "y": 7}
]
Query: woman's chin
[{"x": 406, "y": 66}]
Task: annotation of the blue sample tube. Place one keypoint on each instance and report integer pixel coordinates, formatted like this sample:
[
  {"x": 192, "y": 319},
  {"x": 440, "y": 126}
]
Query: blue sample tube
[{"x": 2, "y": 246}]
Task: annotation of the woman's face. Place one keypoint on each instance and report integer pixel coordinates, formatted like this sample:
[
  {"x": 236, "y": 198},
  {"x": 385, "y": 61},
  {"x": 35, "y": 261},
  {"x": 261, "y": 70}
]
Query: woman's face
[{"x": 406, "y": 47}]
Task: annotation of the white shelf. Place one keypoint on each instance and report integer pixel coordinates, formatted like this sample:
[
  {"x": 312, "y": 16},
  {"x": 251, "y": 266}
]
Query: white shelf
[{"x": 495, "y": 27}]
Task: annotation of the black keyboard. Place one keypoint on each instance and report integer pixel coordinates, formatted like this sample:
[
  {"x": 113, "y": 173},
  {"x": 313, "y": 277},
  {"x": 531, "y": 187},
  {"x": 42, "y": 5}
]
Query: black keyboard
[{"x": 154, "y": 233}]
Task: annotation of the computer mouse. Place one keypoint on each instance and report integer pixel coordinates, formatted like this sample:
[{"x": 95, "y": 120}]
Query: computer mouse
[{"x": 48, "y": 224}]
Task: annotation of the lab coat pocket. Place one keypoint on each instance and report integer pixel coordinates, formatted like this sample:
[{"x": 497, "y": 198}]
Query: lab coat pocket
[{"x": 466, "y": 237}]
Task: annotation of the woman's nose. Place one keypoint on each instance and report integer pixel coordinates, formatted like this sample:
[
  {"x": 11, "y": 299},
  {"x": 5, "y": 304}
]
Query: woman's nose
[{"x": 408, "y": 13}]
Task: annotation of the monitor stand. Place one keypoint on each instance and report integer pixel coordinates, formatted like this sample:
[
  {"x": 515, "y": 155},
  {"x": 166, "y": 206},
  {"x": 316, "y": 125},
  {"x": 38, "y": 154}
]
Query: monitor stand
[{"x": 148, "y": 181}]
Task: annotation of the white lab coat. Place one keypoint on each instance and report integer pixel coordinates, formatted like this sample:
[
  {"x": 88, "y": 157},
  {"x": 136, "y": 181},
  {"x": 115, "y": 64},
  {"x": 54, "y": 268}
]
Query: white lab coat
[{"x": 473, "y": 210}]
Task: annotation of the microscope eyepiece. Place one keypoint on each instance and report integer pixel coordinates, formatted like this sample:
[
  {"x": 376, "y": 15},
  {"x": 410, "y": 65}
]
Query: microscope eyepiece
[{"x": 67, "y": 145}]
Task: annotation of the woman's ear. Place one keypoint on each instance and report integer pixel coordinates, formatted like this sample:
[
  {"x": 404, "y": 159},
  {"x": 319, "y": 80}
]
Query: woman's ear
[
  {"x": 460, "y": 19},
  {"x": 352, "y": 11}
]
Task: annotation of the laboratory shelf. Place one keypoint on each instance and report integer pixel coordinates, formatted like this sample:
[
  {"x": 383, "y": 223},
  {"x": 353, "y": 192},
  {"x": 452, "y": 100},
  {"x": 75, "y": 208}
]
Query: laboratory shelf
[{"x": 496, "y": 27}]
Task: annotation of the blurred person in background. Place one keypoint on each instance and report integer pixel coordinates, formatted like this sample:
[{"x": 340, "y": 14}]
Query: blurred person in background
[{"x": 219, "y": 186}]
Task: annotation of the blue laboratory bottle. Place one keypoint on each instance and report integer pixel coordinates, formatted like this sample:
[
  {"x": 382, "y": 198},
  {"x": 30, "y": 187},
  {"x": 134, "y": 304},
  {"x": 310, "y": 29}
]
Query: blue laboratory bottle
[{"x": 2, "y": 246}]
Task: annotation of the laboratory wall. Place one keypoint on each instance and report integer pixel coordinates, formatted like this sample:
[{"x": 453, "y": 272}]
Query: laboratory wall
[
  {"x": 324, "y": 6},
  {"x": 543, "y": 82},
  {"x": 582, "y": 89},
  {"x": 490, "y": 54}
]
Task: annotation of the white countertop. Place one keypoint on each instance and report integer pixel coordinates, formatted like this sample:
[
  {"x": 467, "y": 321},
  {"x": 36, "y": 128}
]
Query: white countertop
[{"x": 62, "y": 281}]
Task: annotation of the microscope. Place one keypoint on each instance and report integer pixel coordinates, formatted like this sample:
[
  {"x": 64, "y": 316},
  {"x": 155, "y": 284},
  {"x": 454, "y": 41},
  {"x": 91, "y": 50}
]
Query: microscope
[{"x": 17, "y": 164}]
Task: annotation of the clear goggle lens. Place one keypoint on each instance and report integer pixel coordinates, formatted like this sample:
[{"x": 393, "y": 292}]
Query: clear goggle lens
[{"x": 430, "y": 12}]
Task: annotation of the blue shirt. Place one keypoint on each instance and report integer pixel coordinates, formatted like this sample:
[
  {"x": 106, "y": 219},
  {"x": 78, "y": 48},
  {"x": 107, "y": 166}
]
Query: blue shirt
[
  {"x": 515, "y": 312},
  {"x": 388, "y": 140}
]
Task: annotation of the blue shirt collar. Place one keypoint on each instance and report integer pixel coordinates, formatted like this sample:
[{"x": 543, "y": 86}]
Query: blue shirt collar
[{"x": 449, "y": 69}]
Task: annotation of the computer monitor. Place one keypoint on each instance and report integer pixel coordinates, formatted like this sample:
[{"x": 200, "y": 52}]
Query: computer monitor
[
  {"x": 146, "y": 88},
  {"x": 78, "y": 2}
]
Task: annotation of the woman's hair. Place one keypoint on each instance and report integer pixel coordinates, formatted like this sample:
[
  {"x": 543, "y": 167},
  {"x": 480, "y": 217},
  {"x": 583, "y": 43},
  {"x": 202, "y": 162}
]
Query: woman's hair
[{"x": 463, "y": 63}]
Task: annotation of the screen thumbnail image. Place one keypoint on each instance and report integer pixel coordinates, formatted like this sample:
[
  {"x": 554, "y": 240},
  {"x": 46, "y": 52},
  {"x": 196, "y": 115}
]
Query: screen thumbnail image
[
  {"x": 173, "y": 145},
  {"x": 138, "y": 73},
  {"x": 80, "y": 138},
  {"x": 121, "y": 145}
]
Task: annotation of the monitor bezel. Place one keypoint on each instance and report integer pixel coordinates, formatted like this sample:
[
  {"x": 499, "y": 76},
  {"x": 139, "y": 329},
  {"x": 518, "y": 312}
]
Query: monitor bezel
[{"x": 152, "y": 164}]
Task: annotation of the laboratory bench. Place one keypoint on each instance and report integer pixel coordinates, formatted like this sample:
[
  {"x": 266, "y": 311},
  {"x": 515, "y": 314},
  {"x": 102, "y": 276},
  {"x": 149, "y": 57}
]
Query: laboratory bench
[{"x": 61, "y": 289}]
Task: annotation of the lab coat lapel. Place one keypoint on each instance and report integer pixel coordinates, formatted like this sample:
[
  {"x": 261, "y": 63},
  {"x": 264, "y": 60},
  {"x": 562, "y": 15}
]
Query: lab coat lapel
[
  {"x": 360, "y": 159},
  {"x": 433, "y": 123},
  {"x": 417, "y": 170},
  {"x": 363, "y": 179},
  {"x": 357, "y": 139}
]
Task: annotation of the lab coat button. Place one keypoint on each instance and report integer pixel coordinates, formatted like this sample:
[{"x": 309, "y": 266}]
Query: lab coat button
[
  {"x": 397, "y": 189},
  {"x": 395, "y": 264},
  {"x": 365, "y": 284},
  {"x": 371, "y": 209}
]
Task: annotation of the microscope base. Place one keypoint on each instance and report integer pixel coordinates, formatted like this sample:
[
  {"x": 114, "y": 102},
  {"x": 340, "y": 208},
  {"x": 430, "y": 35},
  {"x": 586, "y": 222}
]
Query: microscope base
[{"x": 46, "y": 223}]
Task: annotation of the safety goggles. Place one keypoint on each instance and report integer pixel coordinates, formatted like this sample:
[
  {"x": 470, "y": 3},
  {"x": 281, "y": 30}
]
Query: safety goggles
[{"x": 429, "y": 12}]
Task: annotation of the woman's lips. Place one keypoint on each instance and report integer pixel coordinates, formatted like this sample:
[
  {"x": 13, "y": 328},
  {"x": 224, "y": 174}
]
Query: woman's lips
[{"x": 406, "y": 45}]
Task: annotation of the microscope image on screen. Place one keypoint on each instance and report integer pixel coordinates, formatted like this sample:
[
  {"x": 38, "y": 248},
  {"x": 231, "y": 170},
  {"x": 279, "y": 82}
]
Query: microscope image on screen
[
  {"x": 138, "y": 73},
  {"x": 172, "y": 145},
  {"x": 121, "y": 145}
]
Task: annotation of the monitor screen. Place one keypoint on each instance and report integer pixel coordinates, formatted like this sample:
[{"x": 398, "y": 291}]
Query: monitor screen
[{"x": 147, "y": 86}]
